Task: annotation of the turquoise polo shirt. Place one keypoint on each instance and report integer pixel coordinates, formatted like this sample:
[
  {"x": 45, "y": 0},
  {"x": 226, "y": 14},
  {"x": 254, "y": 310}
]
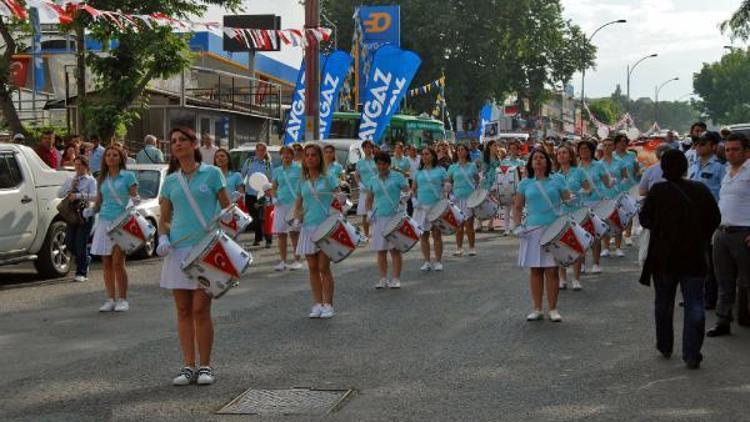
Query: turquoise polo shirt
[
  {"x": 234, "y": 181},
  {"x": 430, "y": 185},
  {"x": 630, "y": 162},
  {"x": 710, "y": 174},
  {"x": 387, "y": 193},
  {"x": 316, "y": 199},
  {"x": 287, "y": 183},
  {"x": 594, "y": 173},
  {"x": 538, "y": 210},
  {"x": 366, "y": 170},
  {"x": 110, "y": 208},
  {"x": 463, "y": 179},
  {"x": 489, "y": 173},
  {"x": 571, "y": 181},
  {"x": 335, "y": 170},
  {"x": 204, "y": 186},
  {"x": 401, "y": 164},
  {"x": 614, "y": 170}
]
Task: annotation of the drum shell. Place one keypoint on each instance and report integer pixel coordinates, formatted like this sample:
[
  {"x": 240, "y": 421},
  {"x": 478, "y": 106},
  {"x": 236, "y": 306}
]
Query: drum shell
[
  {"x": 627, "y": 207},
  {"x": 290, "y": 220},
  {"x": 240, "y": 221},
  {"x": 607, "y": 211},
  {"x": 591, "y": 222},
  {"x": 341, "y": 205},
  {"x": 553, "y": 241},
  {"x": 396, "y": 235},
  {"x": 483, "y": 205},
  {"x": 443, "y": 215},
  {"x": 335, "y": 250},
  {"x": 127, "y": 242},
  {"x": 215, "y": 282}
]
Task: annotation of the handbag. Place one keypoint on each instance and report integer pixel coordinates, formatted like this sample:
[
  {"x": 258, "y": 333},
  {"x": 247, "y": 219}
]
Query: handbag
[{"x": 71, "y": 211}]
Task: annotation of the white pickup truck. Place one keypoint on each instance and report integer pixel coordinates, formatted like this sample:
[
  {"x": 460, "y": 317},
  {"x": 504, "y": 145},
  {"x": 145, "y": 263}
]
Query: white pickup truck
[{"x": 30, "y": 227}]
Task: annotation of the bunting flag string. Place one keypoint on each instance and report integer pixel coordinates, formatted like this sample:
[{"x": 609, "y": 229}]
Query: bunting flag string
[
  {"x": 426, "y": 89},
  {"x": 259, "y": 39}
]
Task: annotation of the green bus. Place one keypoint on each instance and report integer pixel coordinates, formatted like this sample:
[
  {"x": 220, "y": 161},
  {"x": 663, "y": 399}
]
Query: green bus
[{"x": 407, "y": 129}]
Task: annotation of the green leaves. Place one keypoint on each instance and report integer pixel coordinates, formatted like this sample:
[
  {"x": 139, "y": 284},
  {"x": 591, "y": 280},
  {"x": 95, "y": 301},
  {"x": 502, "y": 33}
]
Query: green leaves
[{"x": 724, "y": 88}]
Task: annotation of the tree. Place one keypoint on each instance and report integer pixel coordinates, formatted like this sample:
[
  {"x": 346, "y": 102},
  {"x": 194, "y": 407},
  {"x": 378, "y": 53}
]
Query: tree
[
  {"x": 10, "y": 30},
  {"x": 606, "y": 110},
  {"x": 738, "y": 25},
  {"x": 725, "y": 89}
]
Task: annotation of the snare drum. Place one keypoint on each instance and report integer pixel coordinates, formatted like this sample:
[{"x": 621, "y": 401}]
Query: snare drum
[
  {"x": 482, "y": 204},
  {"x": 217, "y": 263},
  {"x": 566, "y": 241},
  {"x": 240, "y": 221},
  {"x": 627, "y": 207},
  {"x": 291, "y": 220},
  {"x": 341, "y": 204},
  {"x": 591, "y": 222},
  {"x": 445, "y": 216},
  {"x": 607, "y": 211},
  {"x": 337, "y": 238},
  {"x": 506, "y": 182},
  {"x": 402, "y": 232},
  {"x": 131, "y": 230}
]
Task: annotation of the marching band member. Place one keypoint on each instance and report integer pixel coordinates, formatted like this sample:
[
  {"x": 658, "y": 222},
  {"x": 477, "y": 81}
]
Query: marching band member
[
  {"x": 235, "y": 186},
  {"x": 313, "y": 205},
  {"x": 192, "y": 191},
  {"x": 489, "y": 165},
  {"x": 332, "y": 166},
  {"x": 542, "y": 196},
  {"x": 285, "y": 181},
  {"x": 117, "y": 187},
  {"x": 428, "y": 186},
  {"x": 597, "y": 183},
  {"x": 399, "y": 162},
  {"x": 364, "y": 171},
  {"x": 464, "y": 176},
  {"x": 617, "y": 173},
  {"x": 633, "y": 168},
  {"x": 573, "y": 179},
  {"x": 383, "y": 203},
  {"x": 512, "y": 160}
]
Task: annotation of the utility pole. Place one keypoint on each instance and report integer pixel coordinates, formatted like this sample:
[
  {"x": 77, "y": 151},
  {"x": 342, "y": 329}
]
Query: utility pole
[{"x": 312, "y": 74}]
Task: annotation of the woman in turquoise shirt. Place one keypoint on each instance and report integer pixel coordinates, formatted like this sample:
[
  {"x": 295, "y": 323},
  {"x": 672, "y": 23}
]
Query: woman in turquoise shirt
[
  {"x": 364, "y": 171},
  {"x": 464, "y": 176},
  {"x": 399, "y": 162},
  {"x": 594, "y": 190},
  {"x": 428, "y": 185},
  {"x": 332, "y": 166},
  {"x": 383, "y": 204},
  {"x": 313, "y": 205},
  {"x": 543, "y": 197},
  {"x": 618, "y": 175},
  {"x": 180, "y": 229},
  {"x": 235, "y": 187},
  {"x": 488, "y": 167},
  {"x": 285, "y": 180},
  {"x": 116, "y": 187},
  {"x": 573, "y": 179}
]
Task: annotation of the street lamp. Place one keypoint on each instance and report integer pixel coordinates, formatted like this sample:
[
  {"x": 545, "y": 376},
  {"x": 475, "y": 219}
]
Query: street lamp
[
  {"x": 583, "y": 71},
  {"x": 632, "y": 68},
  {"x": 656, "y": 97}
]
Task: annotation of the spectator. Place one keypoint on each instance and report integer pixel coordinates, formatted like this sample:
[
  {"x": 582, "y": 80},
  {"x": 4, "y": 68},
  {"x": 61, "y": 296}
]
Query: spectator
[
  {"x": 81, "y": 188},
  {"x": 150, "y": 154},
  {"x": 260, "y": 162},
  {"x": 207, "y": 148},
  {"x": 696, "y": 131},
  {"x": 732, "y": 242},
  {"x": 95, "y": 155},
  {"x": 676, "y": 254},
  {"x": 46, "y": 150},
  {"x": 69, "y": 156},
  {"x": 671, "y": 141},
  {"x": 18, "y": 138},
  {"x": 653, "y": 174}
]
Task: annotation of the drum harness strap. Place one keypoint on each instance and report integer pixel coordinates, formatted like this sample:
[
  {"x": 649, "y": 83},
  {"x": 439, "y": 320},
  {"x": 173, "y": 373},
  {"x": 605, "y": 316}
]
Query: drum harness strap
[
  {"x": 385, "y": 193},
  {"x": 288, "y": 183},
  {"x": 552, "y": 206},
  {"x": 315, "y": 194},
  {"x": 591, "y": 182},
  {"x": 114, "y": 192},
  {"x": 466, "y": 176},
  {"x": 429, "y": 182},
  {"x": 191, "y": 201}
]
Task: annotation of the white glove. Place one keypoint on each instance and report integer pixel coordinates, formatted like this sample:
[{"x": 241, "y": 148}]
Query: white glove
[
  {"x": 134, "y": 201},
  {"x": 88, "y": 212},
  {"x": 164, "y": 247},
  {"x": 371, "y": 216},
  {"x": 520, "y": 231},
  {"x": 226, "y": 216}
]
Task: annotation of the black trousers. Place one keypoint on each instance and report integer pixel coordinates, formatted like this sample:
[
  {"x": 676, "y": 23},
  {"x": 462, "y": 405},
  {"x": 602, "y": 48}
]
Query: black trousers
[
  {"x": 712, "y": 286},
  {"x": 257, "y": 213}
]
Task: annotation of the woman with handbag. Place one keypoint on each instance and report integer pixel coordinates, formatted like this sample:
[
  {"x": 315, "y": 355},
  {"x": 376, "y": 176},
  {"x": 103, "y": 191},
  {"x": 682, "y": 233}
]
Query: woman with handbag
[
  {"x": 192, "y": 192},
  {"x": 117, "y": 187},
  {"x": 78, "y": 192}
]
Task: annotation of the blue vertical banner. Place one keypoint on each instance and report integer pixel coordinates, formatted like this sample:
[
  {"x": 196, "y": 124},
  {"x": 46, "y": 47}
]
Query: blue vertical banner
[
  {"x": 379, "y": 26},
  {"x": 36, "y": 50},
  {"x": 331, "y": 80},
  {"x": 295, "y": 124},
  {"x": 485, "y": 116},
  {"x": 390, "y": 76}
]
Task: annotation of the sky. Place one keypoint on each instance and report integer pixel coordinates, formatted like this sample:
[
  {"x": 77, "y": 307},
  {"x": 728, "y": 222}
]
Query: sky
[{"x": 684, "y": 33}]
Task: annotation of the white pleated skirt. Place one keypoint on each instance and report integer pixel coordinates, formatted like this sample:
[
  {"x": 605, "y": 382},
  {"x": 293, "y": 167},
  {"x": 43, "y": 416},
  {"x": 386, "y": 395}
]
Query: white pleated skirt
[
  {"x": 305, "y": 245},
  {"x": 361, "y": 206},
  {"x": 530, "y": 252},
  {"x": 102, "y": 243},
  {"x": 172, "y": 276},
  {"x": 462, "y": 205},
  {"x": 420, "y": 217},
  {"x": 280, "y": 225},
  {"x": 378, "y": 242}
]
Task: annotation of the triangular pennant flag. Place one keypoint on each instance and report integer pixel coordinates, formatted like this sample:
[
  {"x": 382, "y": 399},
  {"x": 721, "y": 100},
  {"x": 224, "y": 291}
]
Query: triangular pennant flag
[
  {"x": 342, "y": 236},
  {"x": 17, "y": 9},
  {"x": 134, "y": 229},
  {"x": 504, "y": 169},
  {"x": 569, "y": 238},
  {"x": 217, "y": 258},
  {"x": 615, "y": 219},
  {"x": 588, "y": 225}
]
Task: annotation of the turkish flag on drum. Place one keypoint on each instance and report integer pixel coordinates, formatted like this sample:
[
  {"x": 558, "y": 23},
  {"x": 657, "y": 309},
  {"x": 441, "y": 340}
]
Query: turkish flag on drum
[
  {"x": 569, "y": 238},
  {"x": 451, "y": 218},
  {"x": 217, "y": 257},
  {"x": 269, "y": 213},
  {"x": 241, "y": 205},
  {"x": 408, "y": 230},
  {"x": 134, "y": 228},
  {"x": 342, "y": 236}
]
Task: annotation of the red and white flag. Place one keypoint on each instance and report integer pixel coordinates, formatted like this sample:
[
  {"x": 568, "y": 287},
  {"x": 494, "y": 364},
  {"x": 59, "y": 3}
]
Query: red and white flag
[
  {"x": 341, "y": 235},
  {"x": 217, "y": 258},
  {"x": 134, "y": 229},
  {"x": 569, "y": 238}
]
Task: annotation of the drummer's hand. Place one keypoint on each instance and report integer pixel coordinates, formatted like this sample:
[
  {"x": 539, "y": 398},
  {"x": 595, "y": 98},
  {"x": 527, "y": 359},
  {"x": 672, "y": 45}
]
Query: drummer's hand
[
  {"x": 88, "y": 212},
  {"x": 164, "y": 247},
  {"x": 226, "y": 216},
  {"x": 520, "y": 231}
]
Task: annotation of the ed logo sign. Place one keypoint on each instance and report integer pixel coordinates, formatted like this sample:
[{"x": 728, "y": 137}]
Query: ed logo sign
[{"x": 378, "y": 22}]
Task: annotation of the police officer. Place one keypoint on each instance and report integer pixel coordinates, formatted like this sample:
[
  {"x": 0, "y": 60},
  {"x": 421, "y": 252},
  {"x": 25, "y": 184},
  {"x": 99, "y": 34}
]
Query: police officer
[{"x": 707, "y": 169}]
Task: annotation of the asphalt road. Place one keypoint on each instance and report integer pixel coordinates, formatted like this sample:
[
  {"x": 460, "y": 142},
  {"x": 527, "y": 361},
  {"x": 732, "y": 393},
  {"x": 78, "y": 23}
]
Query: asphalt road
[{"x": 451, "y": 346}]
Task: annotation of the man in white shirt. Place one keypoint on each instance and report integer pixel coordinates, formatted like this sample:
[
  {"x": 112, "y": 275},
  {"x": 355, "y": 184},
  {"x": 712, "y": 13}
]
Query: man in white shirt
[
  {"x": 208, "y": 149},
  {"x": 732, "y": 242}
]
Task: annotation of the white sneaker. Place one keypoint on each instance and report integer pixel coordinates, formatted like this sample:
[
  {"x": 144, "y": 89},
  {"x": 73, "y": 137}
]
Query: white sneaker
[
  {"x": 316, "y": 310},
  {"x": 281, "y": 266},
  {"x": 426, "y": 267},
  {"x": 80, "y": 278},
  {"x": 619, "y": 253},
  {"x": 554, "y": 316},
  {"x": 394, "y": 284},
  {"x": 596, "y": 269},
  {"x": 438, "y": 266},
  {"x": 472, "y": 252},
  {"x": 459, "y": 252},
  {"x": 186, "y": 377},
  {"x": 563, "y": 285},
  {"x": 577, "y": 285},
  {"x": 535, "y": 316},
  {"x": 381, "y": 283},
  {"x": 605, "y": 253},
  {"x": 628, "y": 241},
  {"x": 294, "y": 266},
  {"x": 121, "y": 305},
  {"x": 108, "y": 306},
  {"x": 583, "y": 269},
  {"x": 206, "y": 376},
  {"x": 326, "y": 311}
]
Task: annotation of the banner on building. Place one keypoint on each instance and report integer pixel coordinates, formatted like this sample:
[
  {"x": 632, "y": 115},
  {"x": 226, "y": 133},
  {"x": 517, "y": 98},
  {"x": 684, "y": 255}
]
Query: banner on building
[
  {"x": 485, "y": 116},
  {"x": 378, "y": 26},
  {"x": 392, "y": 71},
  {"x": 295, "y": 124},
  {"x": 332, "y": 78}
]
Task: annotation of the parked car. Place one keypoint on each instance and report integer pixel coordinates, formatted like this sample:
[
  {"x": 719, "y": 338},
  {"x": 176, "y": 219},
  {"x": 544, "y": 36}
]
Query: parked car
[
  {"x": 31, "y": 229},
  {"x": 743, "y": 128},
  {"x": 238, "y": 155}
]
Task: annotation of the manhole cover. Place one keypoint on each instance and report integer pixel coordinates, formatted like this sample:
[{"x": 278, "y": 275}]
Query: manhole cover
[{"x": 293, "y": 401}]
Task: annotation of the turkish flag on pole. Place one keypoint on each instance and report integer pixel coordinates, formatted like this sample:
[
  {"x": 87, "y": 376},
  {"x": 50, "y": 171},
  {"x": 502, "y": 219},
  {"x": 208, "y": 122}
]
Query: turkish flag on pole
[{"x": 217, "y": 257}]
